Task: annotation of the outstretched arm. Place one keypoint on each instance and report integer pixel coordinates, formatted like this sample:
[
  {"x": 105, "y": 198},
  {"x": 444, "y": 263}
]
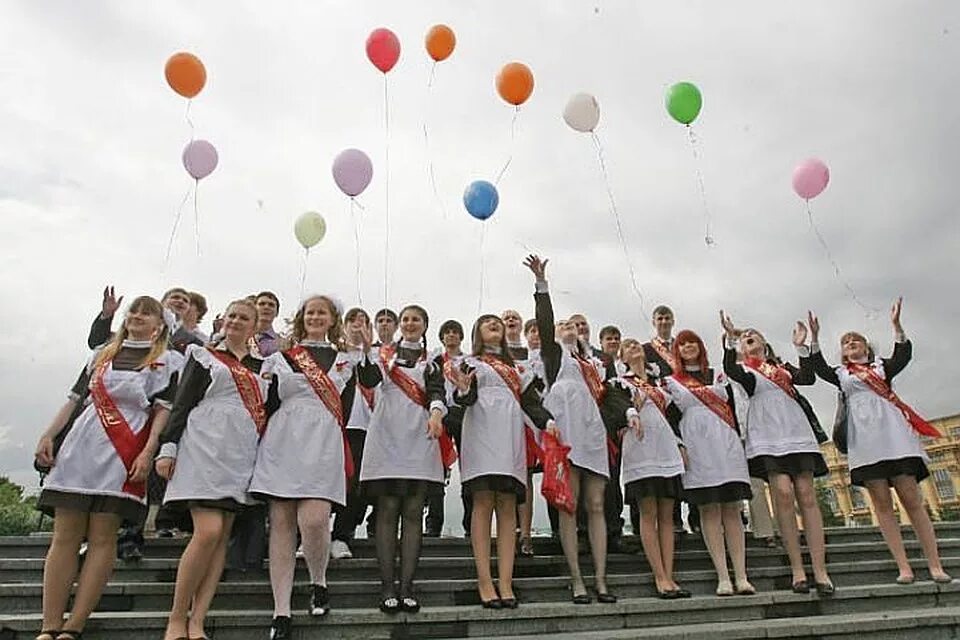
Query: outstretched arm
[
  {"x": 816, "y": 361},
  {"x": 549, "y": 349}
]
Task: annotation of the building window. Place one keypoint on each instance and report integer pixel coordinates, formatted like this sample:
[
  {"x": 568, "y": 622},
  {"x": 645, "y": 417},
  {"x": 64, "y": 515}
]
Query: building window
[
  {"x": 856, "y": 496},
  {"x": 955, "y": 432},
  {"x": 938, "y": 456},
  {"x": 944, "y": 484},
  {"x": 831, "y": 497}
]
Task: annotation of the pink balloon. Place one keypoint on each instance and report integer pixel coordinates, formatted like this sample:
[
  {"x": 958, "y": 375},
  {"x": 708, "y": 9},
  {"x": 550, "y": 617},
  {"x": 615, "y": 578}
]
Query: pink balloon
[
  {"x": 383, "y": 49},
  {"x": 200, "y": 159},
  {"x": 352, "y": 171},
  {"x": 810, "y": 178}
]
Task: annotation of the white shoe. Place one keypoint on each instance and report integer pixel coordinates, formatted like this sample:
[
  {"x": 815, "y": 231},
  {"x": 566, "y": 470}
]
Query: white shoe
[
  {"x": 299, "y": 553},
  {"x": 339, "y": 550}
]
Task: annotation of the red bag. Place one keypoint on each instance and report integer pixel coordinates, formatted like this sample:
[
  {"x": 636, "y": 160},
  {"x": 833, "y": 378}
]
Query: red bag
[
  {"x": 448, "y": 452},
  {"x": 534, "y": 452},
  {"x": 556, "y": 474}
]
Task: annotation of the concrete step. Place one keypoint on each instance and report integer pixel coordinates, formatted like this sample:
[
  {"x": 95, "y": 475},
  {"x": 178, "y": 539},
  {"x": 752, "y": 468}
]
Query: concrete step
[
  {"x": 157, "y": 596},
  {"x": 915, "y": 608},
  {"x": 432, "y": 568}
]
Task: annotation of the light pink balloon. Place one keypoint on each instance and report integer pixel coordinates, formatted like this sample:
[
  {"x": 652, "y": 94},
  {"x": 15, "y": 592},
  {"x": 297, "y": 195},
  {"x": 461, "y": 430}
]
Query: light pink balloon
[
  {"x": 810, "y": 178},
  {"x": 352, "y": 171},
  {"x": 200, "y": 159}
]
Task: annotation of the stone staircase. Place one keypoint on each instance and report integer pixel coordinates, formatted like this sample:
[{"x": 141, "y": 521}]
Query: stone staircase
[{"x": 867, "y": 603}]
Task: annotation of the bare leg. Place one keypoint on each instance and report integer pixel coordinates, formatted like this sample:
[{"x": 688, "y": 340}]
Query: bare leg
[
  {"x": 912, "y": 500},
  {"x": 506, "y": 506},
  {"x": 667, "y": 539},
  {"x": 282, "y": 546},
  {"x": 314, "y": 519},
  {"x": 650, "y": 538},
  {"x": 60, "y": 567},
  {"x": 97, "y": 566},
  {"x": 208, "y": 587},
  {"x": 597, "y": 527},
  {"x": 568, "y": 538},
  {"x": 480, "y": 541},
  {"x": 733, "y": 533},
  {"x": 889, "y": 525},
  {"x": 781, "y": 486},
  {"x": 812, "y": 526},
  {"x": 712, "y": 528}
]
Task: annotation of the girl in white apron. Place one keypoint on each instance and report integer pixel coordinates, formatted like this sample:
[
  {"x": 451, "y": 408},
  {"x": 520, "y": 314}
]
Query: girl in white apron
[
  {"x": 493, "y": 459},
  {"x": 401, "y": 455},
  {"x": 883, "y": 435},
  {"x": 97, "y": 478},
  {"x": 780, "y": 444},
  {"x": 651, "y": 461},
  {"x": 574, "y": 390},
  {"x": 302, "y": 467},
  {"x": 716, "y": 478},
  {"x": 208, "y": 454}
]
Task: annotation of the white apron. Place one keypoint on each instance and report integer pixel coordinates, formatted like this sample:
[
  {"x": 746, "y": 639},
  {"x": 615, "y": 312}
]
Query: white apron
[
  {"x": 657, "y": 455},
  {"x": 776, "y": 425}
]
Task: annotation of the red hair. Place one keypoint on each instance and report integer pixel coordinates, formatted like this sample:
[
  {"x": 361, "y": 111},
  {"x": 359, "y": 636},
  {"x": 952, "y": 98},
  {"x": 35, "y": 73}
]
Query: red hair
[{"x": 684, "y": 337}]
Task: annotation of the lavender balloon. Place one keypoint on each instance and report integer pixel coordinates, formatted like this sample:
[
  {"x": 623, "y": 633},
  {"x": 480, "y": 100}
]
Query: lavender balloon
[
  {"x": 352, "y": 171},
  {"x": 200, "y": 159}
]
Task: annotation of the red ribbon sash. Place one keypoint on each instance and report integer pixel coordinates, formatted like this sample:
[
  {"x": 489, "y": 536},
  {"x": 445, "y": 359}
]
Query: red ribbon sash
[
  {"x": 711, "y": 400},
  {"x": 591, "y": 377},
  {"x": 327, "y": 391},
  {"x": 248, "y": 386},
  {"x": 128, "y": 444},
  {"x": 776, "y": 374},
  {"x": 367, "y": 395},
  {"x": 511, "y": 377},
  {"x": 656, "y": 395},
  {"x": 879, "y": 386}
]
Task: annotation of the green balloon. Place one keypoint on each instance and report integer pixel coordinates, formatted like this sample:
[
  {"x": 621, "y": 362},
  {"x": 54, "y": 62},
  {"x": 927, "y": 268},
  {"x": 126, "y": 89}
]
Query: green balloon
[
  {"x": 684, "y": 102},
  {"x": 310, "y": 229}
]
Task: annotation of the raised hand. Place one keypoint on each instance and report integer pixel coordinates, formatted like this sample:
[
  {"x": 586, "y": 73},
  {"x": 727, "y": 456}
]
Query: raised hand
[
  {"x": 553, "y": 430},
  {"x": 110, "y": 303},
  {"x": 895, "y": 314},
  {"x": 366, "y": 337},
  {"x": 814, "y": 324},
  {"x": 463, "y": 379},
  {"x": 728, "y": 326},
  {"x": 799, "y": 334},
  {"x": 537, "y": 265}
]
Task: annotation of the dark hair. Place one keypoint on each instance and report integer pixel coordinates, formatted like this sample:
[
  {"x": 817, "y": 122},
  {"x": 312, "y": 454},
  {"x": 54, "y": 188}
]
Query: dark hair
[
  {"x": 662, "y": 310},
  {"x": 268, "y": 294},
  {"x": 197, "y": 300},
  {"x": 352, "y": 313},
  {"x": 450, "y": 325},
  {"x": 608, "y": 330},
  {"x": 477, "y": 347},
  {"x": 684, "y": 337},
  {"x": 422, "y": 313},
  {"x": 528, "y": 325},
  {"x": 390, "y": 313},
  {"x": 172, "y": 291}
]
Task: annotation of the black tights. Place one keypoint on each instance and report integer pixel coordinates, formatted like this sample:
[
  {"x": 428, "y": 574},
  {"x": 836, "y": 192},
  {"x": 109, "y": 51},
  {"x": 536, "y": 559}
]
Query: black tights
[{"x": 390, "y": 509}]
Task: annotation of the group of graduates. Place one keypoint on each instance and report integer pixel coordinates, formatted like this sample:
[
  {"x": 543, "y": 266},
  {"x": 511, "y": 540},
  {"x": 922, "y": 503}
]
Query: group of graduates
[{"x": 326, "y": 418}]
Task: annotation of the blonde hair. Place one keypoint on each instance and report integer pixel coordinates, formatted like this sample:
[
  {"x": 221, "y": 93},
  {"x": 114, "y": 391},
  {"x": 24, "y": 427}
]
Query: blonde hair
[
  {"x": 159, "y": 342},
  {"x": 334, "y": 333},
  {"x": 856, "y": 335}
]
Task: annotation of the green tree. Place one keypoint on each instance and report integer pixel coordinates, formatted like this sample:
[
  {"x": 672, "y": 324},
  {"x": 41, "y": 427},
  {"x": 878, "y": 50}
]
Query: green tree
[
  {"x": 830, "y": 519},
  {"x": 18, "y": 515}
]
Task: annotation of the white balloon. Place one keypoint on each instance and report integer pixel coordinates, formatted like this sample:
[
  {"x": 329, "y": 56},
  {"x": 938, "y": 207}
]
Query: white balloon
[{"x": 582, "y": 112}]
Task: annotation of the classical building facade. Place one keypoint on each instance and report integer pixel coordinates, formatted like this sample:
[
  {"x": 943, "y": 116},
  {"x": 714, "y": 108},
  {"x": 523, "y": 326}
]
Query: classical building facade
[{"x": 941, "y": 490}]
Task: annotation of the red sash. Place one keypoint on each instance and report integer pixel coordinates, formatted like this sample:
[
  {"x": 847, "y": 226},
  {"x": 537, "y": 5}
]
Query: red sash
[
  {"x": 326, "y": 390},
  {"x": 417, "y": 395},
  {"x": 776, "y": 374},
  {"x": 248, "y": 386},
  {"x": 591, "y": 377},
  {"x": 655, "y": 395},
  {"x": 367, "y": 395},
  {"x": 128, "y": 444},
  {"x": 711, "y": 400},
  {"x": 512, "y": 379},
  {"x": 664, "y": 353},
  {"x": 879, "y": 386}
]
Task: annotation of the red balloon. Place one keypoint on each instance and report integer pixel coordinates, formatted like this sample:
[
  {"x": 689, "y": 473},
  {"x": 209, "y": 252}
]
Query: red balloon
[{"x": 383, "y": 49}]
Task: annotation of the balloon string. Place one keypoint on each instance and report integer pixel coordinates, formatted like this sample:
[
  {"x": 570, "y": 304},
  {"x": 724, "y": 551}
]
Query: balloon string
[
  {"x": 386, "y": 248},
  {"x": 173, "y": 232},
  {"x": 426, "y": 143},
  {"x": 513, "y": 137},
  {"x": 356, "y": 241},
  {"x": 303, "y": 271},
  {"x": 616, "y": 217},
  {"x": 483, "y": 235},
  {"x": 867, "y": 309},
  {"x": 186, "y": 116},
  {"x": 433, "y": 73},
  {"x": 694, "y": 142},
  {"x": 196, "y": 214}
]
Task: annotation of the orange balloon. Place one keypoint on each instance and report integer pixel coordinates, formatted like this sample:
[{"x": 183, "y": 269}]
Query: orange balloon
[
  {"x": 515, "y": 83},
  {"x": 185, "y": 74},
  {"x": 440, "y": 42}
]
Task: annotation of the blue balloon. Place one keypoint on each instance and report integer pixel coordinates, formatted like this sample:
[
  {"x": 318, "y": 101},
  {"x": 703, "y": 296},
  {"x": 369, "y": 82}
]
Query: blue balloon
[{"x": 481, "y": 199}]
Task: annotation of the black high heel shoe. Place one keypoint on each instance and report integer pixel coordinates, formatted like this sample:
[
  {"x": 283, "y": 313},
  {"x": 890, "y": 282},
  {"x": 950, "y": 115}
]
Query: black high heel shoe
[{"x": 494, "y": 603}]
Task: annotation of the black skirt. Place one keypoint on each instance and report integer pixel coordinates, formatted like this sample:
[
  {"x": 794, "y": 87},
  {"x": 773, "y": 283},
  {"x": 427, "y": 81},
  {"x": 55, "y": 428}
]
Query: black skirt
[
  {"x": 792, "y": 464},
  {"x": 396, "y": 487},
  {"x": 726, "y": 492},
  {"x": 127, "y": 508},
  {"x": 498, "y": 484},
  {"x": 890, "y": 469},
  {"x": 653, "y": 487},
  {"x": 219, "y": 504}
]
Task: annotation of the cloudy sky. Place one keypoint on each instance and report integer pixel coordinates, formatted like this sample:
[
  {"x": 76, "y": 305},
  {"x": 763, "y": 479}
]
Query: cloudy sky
[{"x": 90, "y": 172}]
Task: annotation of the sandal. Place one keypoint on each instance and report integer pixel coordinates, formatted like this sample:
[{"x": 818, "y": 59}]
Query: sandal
[
  {"x": 943, "y": 578},
  {"x": 390, "y": 605}
]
